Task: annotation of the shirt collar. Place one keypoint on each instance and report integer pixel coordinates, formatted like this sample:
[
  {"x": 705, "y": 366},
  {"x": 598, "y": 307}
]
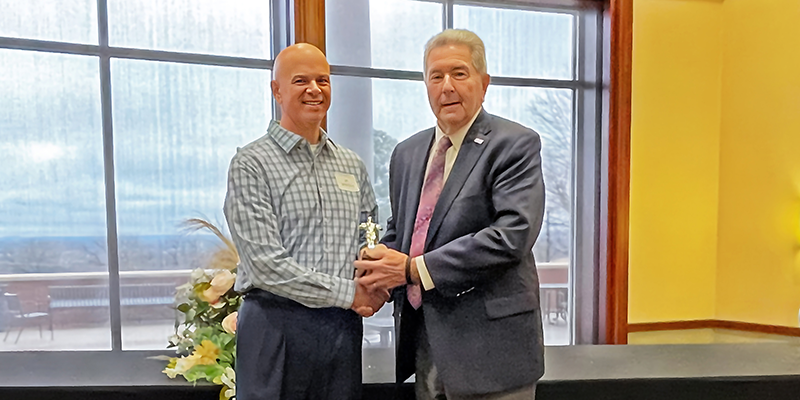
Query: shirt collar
[
  {"x": 288, "y": 140},
  {"x": 458, "y": 136}
]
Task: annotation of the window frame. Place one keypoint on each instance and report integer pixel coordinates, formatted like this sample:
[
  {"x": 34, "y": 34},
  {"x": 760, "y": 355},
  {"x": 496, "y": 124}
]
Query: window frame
[
  {"x": 104, "y": 53},
  {"x": 603, "y": 316},
  {"x": 587, "y": 87}
]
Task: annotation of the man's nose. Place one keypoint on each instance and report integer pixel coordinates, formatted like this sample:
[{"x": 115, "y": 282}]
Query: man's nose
[
  {"x": 447, "y": 85},
  {"x": 313, "y": 88}
]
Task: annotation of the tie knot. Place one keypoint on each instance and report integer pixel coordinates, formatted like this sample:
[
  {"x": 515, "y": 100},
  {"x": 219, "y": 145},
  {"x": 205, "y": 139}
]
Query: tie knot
[{"x": 444, "y": 144}]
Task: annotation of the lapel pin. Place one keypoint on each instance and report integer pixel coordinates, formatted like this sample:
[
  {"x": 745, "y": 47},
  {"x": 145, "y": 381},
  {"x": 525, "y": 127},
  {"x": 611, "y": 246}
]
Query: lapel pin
[{"x": 478, "y": 140}]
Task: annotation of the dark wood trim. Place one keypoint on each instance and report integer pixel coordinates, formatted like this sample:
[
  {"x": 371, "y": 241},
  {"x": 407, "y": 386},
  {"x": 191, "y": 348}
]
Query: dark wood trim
[
  {"x": 670, "y": 325},
  {"x": 761, "y": 328},
  {"x": 714, "y": 324},
  {"x": 309, "y": 22},
  {"x": 620, "y": 36},
  {"x": 309, "y": 27}
]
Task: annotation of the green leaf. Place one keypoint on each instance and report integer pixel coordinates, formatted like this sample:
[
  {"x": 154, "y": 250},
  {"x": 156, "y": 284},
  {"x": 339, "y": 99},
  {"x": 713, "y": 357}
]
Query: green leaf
[
  {"x": 184, "y": 308},
  {"x": 225, "y": 358},
  {"x": 207, "y": 372},
  {"x": 225, "y": 338}
]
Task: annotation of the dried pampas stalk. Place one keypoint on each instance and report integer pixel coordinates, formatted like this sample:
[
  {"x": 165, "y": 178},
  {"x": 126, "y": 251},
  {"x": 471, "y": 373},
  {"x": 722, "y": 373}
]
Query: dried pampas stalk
[{"x": 226, "y": 258}]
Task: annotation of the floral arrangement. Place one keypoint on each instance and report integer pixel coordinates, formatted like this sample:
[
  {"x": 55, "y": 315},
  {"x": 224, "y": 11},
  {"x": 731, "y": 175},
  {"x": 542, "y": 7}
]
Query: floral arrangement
[{"x": 206, "y": 339}]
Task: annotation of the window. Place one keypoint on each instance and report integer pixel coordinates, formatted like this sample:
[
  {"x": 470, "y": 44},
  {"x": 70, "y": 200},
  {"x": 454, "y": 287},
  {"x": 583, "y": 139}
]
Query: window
[
  {"x": 524, "y": 43},
  {"x": 119, "y": 118},
  {"x": 53, "y": 215},
  {"x": 73, "y": 21},
  {"x": 230, "y": 28},
  {"x": 376, "y": 50},
  {"x": 82, "y": 198},
  {"x": 176, "y": 127}
]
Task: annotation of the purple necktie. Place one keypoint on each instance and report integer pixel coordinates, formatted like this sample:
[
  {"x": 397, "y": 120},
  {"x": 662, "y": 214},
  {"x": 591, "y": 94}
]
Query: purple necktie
[{"x": 434, "y": 181}]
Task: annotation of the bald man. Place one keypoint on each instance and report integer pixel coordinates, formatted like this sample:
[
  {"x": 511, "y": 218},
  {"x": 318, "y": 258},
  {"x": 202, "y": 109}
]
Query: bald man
[{"x": 294, "y": 203}]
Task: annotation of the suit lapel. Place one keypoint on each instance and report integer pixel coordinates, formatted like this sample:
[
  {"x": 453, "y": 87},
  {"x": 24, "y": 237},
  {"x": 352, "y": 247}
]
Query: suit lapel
[
  {"x": 468, "y": 155},
  {"x": 416, "y": 176}
]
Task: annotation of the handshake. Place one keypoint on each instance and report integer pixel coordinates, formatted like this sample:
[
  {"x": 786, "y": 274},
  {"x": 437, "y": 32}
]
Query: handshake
[{"x": 379, "y": 270}]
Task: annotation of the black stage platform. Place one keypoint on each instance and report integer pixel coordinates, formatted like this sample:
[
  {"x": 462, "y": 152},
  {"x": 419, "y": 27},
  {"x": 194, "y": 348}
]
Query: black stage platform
[{"x": 682, "y": 372}]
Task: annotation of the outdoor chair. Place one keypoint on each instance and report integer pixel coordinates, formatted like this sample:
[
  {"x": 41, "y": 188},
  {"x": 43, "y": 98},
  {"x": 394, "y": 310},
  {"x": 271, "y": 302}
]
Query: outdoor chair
[{"x": 23, "y": 314}]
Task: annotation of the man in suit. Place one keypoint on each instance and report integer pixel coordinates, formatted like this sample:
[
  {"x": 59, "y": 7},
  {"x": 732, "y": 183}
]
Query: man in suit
[{"x": 467, "y": 205}]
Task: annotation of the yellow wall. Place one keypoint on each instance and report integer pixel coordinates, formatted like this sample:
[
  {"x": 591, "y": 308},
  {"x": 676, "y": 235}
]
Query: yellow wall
[
  {"x": 675, "y": 132},
  {"x": 759, "y": 209},
  {"x": 715, "y": 161}
]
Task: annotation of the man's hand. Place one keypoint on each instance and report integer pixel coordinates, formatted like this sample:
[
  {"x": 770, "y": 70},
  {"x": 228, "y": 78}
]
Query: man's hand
[
  {"x": 368, "y": 302},
  {"x": 362, "y": 255},
  {"x": 382, "y": 268}
]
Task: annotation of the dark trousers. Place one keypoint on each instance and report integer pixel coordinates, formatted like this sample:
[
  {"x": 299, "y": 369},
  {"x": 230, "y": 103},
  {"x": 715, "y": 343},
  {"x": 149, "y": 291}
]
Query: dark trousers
[
  {"x": 428, "y": 384},
  {"x": 287, "y": 351}
]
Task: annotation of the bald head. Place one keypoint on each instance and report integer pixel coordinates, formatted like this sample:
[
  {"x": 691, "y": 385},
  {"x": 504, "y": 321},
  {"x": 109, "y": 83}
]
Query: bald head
[
  {"x": 301, "y": 86},
  {"x": 294, "y": 55}
]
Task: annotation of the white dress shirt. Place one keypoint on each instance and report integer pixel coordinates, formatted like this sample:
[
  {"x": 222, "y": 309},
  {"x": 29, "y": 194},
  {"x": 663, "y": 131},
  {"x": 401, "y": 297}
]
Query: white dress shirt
[{"x": 457, "y": 138}]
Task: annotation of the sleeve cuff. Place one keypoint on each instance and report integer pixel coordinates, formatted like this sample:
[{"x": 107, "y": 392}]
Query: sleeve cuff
[
  {"x": 346, "y": 294},
  {"x": 424, "y": 275}
]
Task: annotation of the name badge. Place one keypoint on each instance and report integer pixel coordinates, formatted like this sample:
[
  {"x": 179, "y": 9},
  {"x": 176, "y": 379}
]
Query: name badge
[{"x": 346, "y": 182}]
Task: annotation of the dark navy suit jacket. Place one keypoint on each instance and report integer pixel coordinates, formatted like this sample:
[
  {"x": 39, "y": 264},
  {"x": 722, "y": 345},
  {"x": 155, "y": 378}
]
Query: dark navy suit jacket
[{"x": 483, "y": 318}]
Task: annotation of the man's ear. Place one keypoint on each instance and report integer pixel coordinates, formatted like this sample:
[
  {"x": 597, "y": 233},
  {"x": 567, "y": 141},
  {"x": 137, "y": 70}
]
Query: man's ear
[{"x": 275, "y": 92}]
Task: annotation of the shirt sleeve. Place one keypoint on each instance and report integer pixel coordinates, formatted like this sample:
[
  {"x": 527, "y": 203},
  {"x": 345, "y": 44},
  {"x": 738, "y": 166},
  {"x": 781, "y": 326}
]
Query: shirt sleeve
[
  {"x": 254, "y": 228},
  {"x": 424, "y": 275}
]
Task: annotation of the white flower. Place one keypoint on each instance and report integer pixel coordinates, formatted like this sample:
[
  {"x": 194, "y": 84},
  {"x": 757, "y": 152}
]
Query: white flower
[
  {"x": 171, "y": 372},
  {"x": 229, "y": 380},
  {"x": 199, "y": 275},
  {"x": 184, "y": 289},
  {"x": 218, "y": 305},
  {"x": 174, "y": 340}
]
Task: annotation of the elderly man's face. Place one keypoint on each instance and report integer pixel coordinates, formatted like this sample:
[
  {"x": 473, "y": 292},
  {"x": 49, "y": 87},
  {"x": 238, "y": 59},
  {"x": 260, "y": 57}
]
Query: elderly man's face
[
  {"x": 302, "y": 86},
  {"x": 455, "y": 88}
]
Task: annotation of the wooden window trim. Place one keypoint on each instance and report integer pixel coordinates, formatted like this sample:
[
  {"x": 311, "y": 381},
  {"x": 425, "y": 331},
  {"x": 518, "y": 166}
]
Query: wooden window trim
[
  {"x": 619, "y": 34},
  {"x": 309, "y": 22}
]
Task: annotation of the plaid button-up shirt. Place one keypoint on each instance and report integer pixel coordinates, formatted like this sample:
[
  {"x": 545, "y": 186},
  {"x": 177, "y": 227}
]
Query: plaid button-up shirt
[{"x": 293, "y": 213}]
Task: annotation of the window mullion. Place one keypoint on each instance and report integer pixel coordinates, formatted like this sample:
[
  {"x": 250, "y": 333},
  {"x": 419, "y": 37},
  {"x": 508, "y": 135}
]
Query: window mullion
[
  {"x": 447, "y": 11},
  {"x": 108, "y": 163}
]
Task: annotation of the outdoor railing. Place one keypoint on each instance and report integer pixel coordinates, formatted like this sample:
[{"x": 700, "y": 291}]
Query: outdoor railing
[{"x": 74, "y": 297}]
